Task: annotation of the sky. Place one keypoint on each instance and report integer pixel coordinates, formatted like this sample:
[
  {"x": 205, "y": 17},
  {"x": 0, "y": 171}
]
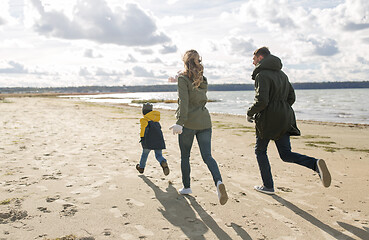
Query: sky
[{"x": 61, "y": 43}]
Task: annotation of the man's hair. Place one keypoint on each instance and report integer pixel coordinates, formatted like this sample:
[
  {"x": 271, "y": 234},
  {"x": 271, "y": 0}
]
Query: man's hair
[{"x": 263, "y": 51}]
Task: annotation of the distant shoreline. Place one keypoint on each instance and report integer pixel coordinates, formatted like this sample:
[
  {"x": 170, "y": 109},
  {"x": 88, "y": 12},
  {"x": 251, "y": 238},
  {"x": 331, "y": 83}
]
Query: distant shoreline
[{"x": 52, "y": 91}]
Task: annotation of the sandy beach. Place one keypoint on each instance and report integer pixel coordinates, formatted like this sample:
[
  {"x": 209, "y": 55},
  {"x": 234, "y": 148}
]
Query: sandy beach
[{"x": 68, "y": 172}]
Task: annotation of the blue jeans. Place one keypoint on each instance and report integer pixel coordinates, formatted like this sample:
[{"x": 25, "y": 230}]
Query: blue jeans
[
  {"x": 145, "y": 154},
  {"x": 185, "y": 144},
  {"x": 284, "y": 149}
]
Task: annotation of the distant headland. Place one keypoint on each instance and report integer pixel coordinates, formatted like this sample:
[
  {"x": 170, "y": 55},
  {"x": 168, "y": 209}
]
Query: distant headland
[{"x": 169, "y": 88}]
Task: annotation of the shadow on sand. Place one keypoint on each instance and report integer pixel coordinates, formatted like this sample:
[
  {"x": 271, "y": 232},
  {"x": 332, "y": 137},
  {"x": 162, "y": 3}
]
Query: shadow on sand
[
  {"x": 181, "y": 211},
  {"x": 313, "y": 220},
  {"x": 361, "y": 233}
]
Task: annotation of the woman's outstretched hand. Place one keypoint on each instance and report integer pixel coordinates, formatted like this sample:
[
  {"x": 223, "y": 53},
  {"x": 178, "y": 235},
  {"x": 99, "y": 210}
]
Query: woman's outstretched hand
[{"x": 177, "y": 129}]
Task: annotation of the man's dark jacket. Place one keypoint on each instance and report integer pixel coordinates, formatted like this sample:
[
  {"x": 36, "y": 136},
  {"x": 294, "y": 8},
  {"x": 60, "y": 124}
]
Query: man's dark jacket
[{"x": 274, "y": 96}]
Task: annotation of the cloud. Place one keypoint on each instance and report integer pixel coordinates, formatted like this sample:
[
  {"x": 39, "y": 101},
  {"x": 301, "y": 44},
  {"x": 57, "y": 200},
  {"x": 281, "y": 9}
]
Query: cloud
[
  {"x": 144, "y": 51},
  {"x": 155, "y": 60},
  {"x": 366, "y": 40},
  {"x": 142, "y": 72},
  {"x": 241, "y": 46},
  {"x": 363, "y": 60},
  {"x": 89, "y": 53},
  {"x": 168, "y": 49},
  {"x": 2, "y": 21},
  {"x": 102, "y": 72},
  {"x": 130, "y": 26},
  {"x": 18, "y": 68},
  {"x": 172, "y": 1},
  {"x": 355, "y": 26},
  {"x": 84, "y": 72},
  {"x": 130, "y": 59},
  {"x": 15, "y": 68},
  {"x": 212, "y": 46},
  {"x": 324, "y": 47},
  {"x": 266, "y": 13}
]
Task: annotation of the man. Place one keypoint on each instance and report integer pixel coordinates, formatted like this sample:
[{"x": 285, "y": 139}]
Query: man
[{"x": 275, "y": 119}]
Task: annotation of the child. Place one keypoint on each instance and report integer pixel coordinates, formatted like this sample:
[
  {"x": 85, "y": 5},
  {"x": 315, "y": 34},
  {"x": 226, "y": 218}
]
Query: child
[{"x": 151, "y": 138}]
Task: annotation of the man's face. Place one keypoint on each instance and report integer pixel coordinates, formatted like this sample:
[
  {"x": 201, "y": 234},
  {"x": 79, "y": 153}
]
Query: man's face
[{"x": 256, "y": 59}]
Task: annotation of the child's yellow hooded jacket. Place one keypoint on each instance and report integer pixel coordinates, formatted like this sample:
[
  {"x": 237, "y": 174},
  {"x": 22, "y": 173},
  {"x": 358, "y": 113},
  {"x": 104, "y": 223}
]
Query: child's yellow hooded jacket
[{"x": 151, "y": 116}]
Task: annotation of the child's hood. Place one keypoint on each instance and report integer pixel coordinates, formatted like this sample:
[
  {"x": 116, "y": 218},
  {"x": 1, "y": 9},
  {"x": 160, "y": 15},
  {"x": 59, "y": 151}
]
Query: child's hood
[{"x": 153, "y": 116}]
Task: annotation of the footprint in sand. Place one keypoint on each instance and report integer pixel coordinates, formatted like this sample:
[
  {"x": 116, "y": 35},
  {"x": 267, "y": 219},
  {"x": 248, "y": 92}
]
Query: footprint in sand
[
  {"x": 69, "y": 210},
  {"x": 288, "y": 222},
  {"x": 131, "y": 201},
  {"x": 87, "y": 191},
  {"x": 52, "y": 199},
  {"x": 116, "y": 212},
  {"x": 142, "y": 230},
  {"x": 284, "y": 189},
  {"x": 43, "y": 209},
  {"x": 42, "y": 188},
  {"x": 127, "y": 236}
]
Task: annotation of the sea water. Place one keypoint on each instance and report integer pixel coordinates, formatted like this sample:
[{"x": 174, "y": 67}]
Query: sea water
[{"x": 328, "y": 105}]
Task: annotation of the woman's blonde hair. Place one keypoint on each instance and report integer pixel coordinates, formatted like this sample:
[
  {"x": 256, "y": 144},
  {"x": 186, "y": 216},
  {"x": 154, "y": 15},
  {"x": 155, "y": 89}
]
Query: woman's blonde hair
[{"x": 193, "y": 67}]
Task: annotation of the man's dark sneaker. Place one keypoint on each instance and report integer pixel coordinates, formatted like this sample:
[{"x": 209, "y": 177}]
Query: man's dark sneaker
[
  {"x": 265, "y": 190},
  {"x": 324, "y": 174},
  {"x": 140, "y": 170},
  {"x": 164, "y": 166}
]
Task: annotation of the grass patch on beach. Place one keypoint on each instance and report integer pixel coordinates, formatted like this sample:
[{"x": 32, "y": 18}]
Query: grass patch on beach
[
  {"x": 68, "y": 237},
  {"x": 321, "y": 142},
  {"x": 153, "y": 101},
  {"x": 90, "y": 104},
  {"x": 4, "y": 100},
  {"x": 162, "y": 101},
  {"x": 356, "y": 149},
  {"x": 223, "y": 125},
  {"x": 326, "y": 146},
  {"x": 120, "y": 110},
  {"x": 312, "y": 136},
  {"x": 6, "y": 201}
]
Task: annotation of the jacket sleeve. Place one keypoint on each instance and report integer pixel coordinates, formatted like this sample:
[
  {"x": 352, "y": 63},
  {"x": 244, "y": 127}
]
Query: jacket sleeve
[
  {"x": 143, "y": 123},
  {"x": 183, "y": 101},
  {"x": 291, "y": 95},
  {"x": 261, "y": 95}
]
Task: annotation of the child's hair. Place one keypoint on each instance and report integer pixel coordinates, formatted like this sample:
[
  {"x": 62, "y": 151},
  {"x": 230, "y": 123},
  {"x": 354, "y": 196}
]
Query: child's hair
[{"x": 146, "y": 108}]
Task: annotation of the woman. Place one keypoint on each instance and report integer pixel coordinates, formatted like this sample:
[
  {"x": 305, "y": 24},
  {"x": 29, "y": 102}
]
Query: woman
[{"x": 193, "y": 119}]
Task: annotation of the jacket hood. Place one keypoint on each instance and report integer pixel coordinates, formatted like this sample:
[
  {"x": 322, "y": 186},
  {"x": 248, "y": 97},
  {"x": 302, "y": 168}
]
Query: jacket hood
[
  {"x": 153, "y": 116},
  {"x": 270, "y": 62},
  {"x": 203, "y": 84}
]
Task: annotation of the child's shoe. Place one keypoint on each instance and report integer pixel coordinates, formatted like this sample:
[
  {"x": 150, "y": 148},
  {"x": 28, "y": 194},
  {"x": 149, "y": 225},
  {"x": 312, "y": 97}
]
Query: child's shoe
[
  {"x": 140, "y": 170},
  {"x": 165, "y": 167}
]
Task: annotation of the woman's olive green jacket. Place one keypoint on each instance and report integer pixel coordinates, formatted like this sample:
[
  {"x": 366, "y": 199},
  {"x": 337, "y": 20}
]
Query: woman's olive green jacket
[
  {"x": 191, "y": 112},
  {"x": 274, "y": 96}
]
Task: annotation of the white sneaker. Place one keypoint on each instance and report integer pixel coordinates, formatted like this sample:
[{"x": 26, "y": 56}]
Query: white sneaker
[
  {"x": 222, "y": 193},
  {"x": 185, "y": 191}
]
